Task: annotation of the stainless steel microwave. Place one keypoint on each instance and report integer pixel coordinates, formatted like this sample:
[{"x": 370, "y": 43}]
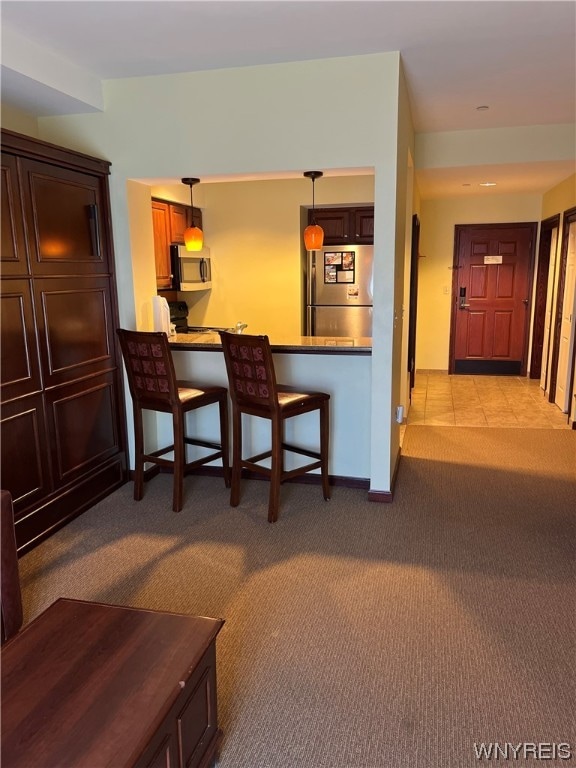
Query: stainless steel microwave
[{"x": 193, "y": 268}]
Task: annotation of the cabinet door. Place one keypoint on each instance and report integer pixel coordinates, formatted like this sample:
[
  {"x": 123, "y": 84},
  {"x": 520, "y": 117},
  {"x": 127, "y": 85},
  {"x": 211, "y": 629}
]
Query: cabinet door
[
  {"x": 164, "y": 755},
  {"x": 161, "y": 226},
  {"x": 64, "y": 220},
  {"x": 363, "y": 225},
  {"x": 75, "y": 332},
  {"x": 182, "y": 217},
  {"x": 20, "y": 367},
  {"x": 336, "y": 224},
  {"x": 197, "y": 218},
  {"x": 180, "y": 220},
  {"x": 14, "y": 261},
  {"x": 24, "y": 466},
  {"x": 82, "y": 427},
  {"x": 197, "y": 726}
]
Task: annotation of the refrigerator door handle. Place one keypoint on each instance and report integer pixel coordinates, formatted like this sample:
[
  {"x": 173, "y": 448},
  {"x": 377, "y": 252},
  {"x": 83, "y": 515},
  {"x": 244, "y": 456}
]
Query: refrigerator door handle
[
  {"x": 310, "y": 321},
  {"x": 311, "y": 277}
]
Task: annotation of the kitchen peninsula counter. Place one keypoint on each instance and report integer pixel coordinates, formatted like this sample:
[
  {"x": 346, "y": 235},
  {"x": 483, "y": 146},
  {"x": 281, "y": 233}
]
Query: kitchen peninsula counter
[
  {"x": 327, "y": 345},
  {"x": 311, "y": 362}
]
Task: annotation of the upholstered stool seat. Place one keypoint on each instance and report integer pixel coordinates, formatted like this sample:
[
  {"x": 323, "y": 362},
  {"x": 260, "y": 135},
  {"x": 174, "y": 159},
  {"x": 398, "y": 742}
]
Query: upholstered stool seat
[
  {"x": 255, "y": 392},
  {"x": 154, "y": 386}
]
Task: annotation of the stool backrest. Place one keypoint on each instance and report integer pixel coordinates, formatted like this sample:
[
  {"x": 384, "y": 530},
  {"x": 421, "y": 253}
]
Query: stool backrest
[
  {"x": 250, "y": 368},
  {"x": 149, "y": 367}
]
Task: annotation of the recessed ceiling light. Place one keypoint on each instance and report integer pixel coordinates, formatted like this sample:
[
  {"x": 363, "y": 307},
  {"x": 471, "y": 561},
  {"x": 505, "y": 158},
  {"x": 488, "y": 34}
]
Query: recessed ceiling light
[
  {"x": 487, "y": 184},
  {"x": 482, "y": 108}
]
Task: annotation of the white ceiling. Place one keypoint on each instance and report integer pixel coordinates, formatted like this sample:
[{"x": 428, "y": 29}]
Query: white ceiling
[{"x": 518, "y": 57}]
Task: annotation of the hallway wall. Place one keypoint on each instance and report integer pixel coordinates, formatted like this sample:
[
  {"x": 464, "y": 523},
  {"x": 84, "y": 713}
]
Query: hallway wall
[{"x": 437, "y": 221}]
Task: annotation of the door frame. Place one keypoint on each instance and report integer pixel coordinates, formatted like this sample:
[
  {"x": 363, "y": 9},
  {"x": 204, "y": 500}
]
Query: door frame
[
  {"x": 459, "y": 229},
  {"x": 540, "y": 292},
  {"x": 568, "y": 218},
  {"x": 413, "y": 304}
]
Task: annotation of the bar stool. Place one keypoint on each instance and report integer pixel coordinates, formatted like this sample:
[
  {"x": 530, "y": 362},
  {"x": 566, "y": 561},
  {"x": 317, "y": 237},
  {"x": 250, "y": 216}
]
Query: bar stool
[
  {"x": 254, "y": 391},
  {"x": 153, "y": 386}
]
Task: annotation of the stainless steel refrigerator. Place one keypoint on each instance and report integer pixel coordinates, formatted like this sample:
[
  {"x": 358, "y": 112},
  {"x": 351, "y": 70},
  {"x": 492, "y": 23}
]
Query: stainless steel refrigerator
[{"x": 339, "y": 291}]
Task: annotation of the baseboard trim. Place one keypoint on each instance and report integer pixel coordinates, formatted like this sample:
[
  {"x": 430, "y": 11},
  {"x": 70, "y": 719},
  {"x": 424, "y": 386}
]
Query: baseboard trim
[
  {"x": 387, "y": 497},
  {"x": 342, "y": 481}
]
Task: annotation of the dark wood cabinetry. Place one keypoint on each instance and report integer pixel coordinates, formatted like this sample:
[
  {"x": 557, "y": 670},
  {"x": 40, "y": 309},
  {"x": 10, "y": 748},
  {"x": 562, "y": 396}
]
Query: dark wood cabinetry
[
  {"x": 169, "y": 221},
  {"x": 346, "y": 225},
  {"x": 63, "y": 423},
  {"x": 119, "y": 686}
]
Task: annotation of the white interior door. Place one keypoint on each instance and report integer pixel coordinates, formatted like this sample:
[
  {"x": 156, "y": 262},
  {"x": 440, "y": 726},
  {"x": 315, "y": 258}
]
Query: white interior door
[
  {"x": 549, "y": 310},
  {"x": 567, "y": 325}
]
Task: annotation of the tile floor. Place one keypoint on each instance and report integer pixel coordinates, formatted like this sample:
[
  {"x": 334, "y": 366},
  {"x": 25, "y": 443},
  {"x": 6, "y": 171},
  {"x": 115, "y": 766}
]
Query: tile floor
[{"x": 482, "y": 401}]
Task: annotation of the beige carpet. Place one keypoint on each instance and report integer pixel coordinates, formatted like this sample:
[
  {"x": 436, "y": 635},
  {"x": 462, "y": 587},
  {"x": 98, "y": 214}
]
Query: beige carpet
[{"x": 362, "y": 635}]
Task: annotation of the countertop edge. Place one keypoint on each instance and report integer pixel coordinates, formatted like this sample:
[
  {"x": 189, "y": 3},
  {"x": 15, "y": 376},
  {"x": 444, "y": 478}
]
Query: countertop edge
[{"x": 327, "y": 347}]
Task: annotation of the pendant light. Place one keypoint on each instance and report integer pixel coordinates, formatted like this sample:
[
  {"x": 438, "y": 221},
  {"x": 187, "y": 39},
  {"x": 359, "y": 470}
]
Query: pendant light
[
  {"x": 193, "y": 236},
  {"x": 313, "y": 234}
]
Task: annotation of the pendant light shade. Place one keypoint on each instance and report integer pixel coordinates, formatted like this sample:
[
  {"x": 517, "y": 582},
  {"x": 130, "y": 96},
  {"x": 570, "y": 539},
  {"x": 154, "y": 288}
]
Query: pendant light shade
[
  {"x": 193, "y": 236},
  {"x": 313, "y": 234}
]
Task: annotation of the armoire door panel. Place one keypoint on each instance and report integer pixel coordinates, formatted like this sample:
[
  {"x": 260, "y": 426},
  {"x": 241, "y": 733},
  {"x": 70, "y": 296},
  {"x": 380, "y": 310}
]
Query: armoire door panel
[
  {"x": 25, "y": 469},
  {"x": 20, "y": 368},
  {"x": 82, "y": 420},
  {"x": 64, "y": 220},
  {"x": 14, "y": 261},
  {"x": 74, "y": 321}
]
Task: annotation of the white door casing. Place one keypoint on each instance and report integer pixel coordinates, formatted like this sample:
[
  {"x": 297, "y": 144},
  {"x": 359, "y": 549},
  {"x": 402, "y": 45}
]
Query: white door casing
[
  {"x": 567, "y": 325},
  {"x": 546, "y": 348}
]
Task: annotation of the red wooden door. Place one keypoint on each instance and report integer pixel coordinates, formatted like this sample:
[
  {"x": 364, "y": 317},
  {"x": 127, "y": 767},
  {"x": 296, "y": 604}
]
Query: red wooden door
[{"x": 491, "y": 297}]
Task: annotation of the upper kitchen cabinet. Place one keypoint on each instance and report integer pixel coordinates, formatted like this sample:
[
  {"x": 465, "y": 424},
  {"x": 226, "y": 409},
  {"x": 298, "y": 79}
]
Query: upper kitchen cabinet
[
  {"x": 170, "y": 220},
  {"x": 62, "y": 402},
  {"x": 161, "y": 226},
  {"x": 346, "y": 225},
  {"x": 363, "y": 225}
]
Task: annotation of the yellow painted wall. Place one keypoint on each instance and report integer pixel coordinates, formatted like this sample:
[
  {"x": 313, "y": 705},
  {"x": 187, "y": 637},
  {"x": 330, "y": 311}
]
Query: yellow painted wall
[
  {"x": 559, "y": 198},
  {"x": 437, "y": 221},
  {"x": 253, "y": 231},
  {"x": 13, "y": 119}
]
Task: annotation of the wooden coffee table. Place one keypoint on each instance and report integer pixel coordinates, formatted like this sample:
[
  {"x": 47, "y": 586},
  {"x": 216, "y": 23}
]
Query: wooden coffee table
[{"x": 90, "y": 685}]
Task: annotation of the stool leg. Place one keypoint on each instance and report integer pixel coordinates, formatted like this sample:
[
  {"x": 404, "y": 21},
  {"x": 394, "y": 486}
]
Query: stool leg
[
  {"x": 138, "y": 453},
  {"x": 236, "y": 457},
  {"x": 179, "y": 459},
  {"x": 277, "y": 468},
  {"x": 324, "y": 440},
  {"x": 224, "y": 438}
]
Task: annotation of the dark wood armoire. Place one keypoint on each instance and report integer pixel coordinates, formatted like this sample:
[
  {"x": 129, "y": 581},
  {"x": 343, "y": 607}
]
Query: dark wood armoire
[{"x": 63, "y": 427}]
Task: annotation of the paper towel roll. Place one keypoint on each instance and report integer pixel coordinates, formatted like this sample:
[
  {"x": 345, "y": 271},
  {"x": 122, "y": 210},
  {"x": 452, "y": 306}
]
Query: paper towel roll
[{"x": 161, "y": 314}]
